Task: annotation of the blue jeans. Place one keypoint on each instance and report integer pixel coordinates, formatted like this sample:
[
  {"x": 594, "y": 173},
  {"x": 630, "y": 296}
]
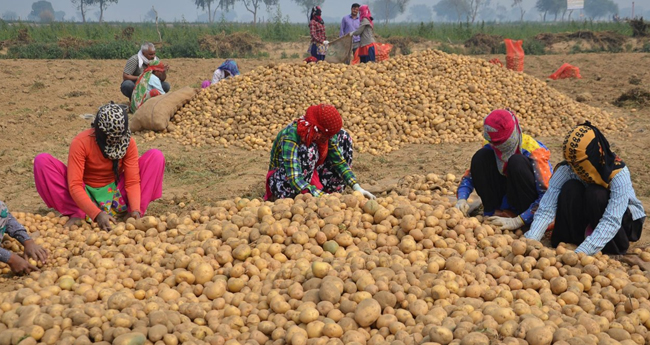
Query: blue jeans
[
  {"x": 368, "y": 58},
  {"x": 314, "y": 52}
]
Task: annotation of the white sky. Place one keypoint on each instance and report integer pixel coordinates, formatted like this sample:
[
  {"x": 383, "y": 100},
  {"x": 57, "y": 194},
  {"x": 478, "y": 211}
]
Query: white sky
[{"x": 174, "y": 10}]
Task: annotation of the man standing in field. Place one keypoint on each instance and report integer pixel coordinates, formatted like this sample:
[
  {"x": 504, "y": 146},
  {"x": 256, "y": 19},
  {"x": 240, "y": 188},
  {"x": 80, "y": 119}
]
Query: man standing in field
[
  {"x": 135, "y": 65},
  {"x": 349, "y": 24}
]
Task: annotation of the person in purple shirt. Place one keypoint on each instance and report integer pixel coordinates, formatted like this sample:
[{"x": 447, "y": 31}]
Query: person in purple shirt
[{"x": 350, "y": 23}]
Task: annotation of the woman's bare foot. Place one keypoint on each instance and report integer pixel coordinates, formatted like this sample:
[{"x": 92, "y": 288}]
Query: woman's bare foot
[{"x": 72, "y": 221}]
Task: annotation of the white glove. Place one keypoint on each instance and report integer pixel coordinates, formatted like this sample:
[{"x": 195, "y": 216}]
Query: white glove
[
  {"x": 364, "y": 192},
  {"x": 350, "y": 34},
  {"x": 463, "y": 206},
  {"x": 506, "y": 223},
  {"x": 326, "y": 42}
]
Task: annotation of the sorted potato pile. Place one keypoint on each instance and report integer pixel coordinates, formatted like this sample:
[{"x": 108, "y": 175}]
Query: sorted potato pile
[
  {"x": 426, "y": 98},
  {"x": 334, "y": 270}
]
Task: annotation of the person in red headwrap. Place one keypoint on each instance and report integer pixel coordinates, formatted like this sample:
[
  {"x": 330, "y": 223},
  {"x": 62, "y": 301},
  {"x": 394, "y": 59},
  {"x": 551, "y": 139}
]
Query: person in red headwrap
[
  {"x": 312, "y": 155},
  {"x": 510, "y": 173},
  {"x": 366, "y": 31}
]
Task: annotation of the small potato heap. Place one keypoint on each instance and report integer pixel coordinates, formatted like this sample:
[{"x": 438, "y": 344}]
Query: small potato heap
[
  {"x": 335, "y": 270},
  {"x": 425, "y": 98}
]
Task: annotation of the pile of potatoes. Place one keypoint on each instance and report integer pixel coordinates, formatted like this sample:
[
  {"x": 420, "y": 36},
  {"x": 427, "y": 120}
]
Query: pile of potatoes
[
  {"x": 338, "y": 269},
  {"x": 424, "y": 98}
]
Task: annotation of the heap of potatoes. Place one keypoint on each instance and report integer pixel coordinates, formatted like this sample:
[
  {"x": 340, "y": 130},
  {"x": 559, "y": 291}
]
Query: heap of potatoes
[
  {"x": 338, "y": 269},
  {"x": 425, "y": 98}
]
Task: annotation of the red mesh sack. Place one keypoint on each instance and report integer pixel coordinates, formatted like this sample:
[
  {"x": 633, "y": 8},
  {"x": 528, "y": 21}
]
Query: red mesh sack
[
  {"x": 514, "y": 55},
  {"x": 497, "y": 62},
  {"x": 382, "y": 52},
  {"x": 566, "y": 71}
]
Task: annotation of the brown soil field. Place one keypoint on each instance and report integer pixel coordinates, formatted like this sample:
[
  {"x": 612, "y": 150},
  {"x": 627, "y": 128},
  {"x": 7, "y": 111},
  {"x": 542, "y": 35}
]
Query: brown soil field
[{"x": 44, "y": 103}]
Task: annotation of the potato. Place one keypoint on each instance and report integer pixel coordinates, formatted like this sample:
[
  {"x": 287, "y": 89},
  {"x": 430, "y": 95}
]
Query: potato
[
  {"x": 130, "y": 339},
  {"x": 367, "y": 312},
  {"x": 539, "y": 336}
]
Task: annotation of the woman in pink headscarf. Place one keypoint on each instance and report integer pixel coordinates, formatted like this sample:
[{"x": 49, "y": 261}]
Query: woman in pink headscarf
[
  {"x": 366, "y": 32},
  {"x": 510, "y": 173}
]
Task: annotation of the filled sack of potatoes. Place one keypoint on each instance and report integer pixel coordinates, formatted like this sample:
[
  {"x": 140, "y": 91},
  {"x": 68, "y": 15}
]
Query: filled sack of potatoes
[{"x": 155, "y": 113}]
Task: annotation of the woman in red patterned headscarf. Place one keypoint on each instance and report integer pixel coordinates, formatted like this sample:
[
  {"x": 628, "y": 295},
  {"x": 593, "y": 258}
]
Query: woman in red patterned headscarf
[
  {"x": 312, "y": 155},
  {"x": 510, "y": 173}
]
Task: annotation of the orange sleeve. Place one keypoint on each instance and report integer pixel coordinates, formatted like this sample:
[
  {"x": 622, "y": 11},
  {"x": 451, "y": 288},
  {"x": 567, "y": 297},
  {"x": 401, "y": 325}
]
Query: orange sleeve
[
  {"x": 132, "y": 176},
  {"x": 76, "y": 166}
]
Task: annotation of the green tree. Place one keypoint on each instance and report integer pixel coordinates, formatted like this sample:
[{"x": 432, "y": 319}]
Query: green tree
[
  {"x": 520, "y": 5},
  {"x": 39, "y": 7},
  {"x": 103, "y": 5},
  {"x": 253, "y": 5},
  {"x": 456, "y": 10},
  {"x": 387, "y": 10},
  {"x": 600, "y": 8},
  {"x": 554, "y": 7},
  {"x": 82, "y": 6},
  {"x": 420, "y": 13},
  {"x": 10, "y": 16},
  {"x": 307, "y": 5},
  {"x": 218, "y": 4}
]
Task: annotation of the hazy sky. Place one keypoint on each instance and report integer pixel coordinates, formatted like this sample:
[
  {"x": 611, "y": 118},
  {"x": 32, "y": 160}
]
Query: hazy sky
[{"x": 172, "y": 10}]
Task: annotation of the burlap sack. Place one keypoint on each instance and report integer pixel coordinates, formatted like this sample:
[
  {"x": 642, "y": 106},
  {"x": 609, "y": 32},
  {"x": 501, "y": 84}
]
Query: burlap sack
[
  {"x": 155, "y": 113},
  {"x": 339, "y": 50}
]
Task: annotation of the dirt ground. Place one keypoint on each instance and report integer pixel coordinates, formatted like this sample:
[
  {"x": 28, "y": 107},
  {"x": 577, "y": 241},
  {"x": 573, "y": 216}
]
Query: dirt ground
[{"x": 44, "y": 103}]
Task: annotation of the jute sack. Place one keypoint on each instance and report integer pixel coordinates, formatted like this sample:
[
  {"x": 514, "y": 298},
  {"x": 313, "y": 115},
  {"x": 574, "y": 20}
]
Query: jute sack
[
  {"x": 155, "y": 113},
  {"x": 339, "y": 50}
]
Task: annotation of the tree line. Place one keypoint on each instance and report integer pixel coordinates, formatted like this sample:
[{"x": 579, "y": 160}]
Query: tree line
[{"x": 383, "y": 10}]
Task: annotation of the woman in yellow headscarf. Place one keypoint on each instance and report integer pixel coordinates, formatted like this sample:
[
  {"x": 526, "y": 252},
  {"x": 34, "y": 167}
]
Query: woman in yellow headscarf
[{"x": 591, "y": 197}]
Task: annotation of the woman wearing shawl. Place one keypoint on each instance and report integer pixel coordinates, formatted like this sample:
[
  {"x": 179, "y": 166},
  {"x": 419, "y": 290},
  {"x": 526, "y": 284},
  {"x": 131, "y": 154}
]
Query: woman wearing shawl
[
  {"x": 318, "y": 47},
  {"x": 149, "y": 84},
  {"x": 312, "y": 155},
  {"x": 104, "y": 177},
  {"x": 17, "y": 263},
  {"x": 510, "y": 173},
  {"x": 227, "y": 69},
  {"x": 366, "y": 31},
  {"x": 591, "y": 198}
]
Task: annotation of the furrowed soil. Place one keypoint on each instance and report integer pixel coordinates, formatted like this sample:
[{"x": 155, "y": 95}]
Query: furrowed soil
[{"x": 43, "y": 103}]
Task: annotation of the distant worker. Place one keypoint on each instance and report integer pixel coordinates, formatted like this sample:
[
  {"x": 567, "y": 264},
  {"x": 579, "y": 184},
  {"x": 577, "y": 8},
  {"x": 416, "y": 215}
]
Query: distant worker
[
  {"x": 319, "y": 42},
  {"x": 312, "y": 155},
  {"x": 136, "y": 65},
  {"x": 591, "y": 198},
  {"x": 149, "y": 84},
  {"x": 366, "y": 32},
  {"x": 350, "y": 23},
  {"x": 510, "y": 173},
  {"x": 227, "y": 69}
]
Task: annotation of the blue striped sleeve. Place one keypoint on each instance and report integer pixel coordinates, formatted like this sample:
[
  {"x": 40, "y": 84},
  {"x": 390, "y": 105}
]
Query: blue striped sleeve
[
  {"x": 548, "y": 205},
  {"x": 620, "y": 191}
]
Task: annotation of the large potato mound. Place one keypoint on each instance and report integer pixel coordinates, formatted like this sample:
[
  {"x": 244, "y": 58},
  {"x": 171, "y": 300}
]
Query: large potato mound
[{"x": 425, "y": 98}]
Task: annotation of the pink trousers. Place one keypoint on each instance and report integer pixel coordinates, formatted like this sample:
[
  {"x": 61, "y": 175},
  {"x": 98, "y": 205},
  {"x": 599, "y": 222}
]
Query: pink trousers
[{"x": 51, "y": 178}]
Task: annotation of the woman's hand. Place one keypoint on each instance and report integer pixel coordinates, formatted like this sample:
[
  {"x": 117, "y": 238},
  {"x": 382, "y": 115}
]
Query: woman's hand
[
  {"x": 19, "y": 265},
  {"x": 104, "y": 221},
  {"x": 34, "y": 251},
  {"x": 135, "y": 215}
]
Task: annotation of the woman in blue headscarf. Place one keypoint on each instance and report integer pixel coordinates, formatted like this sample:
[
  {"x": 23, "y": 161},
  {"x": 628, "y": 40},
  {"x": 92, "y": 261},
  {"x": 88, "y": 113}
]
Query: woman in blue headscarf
[{"x": 227, "y": 69}]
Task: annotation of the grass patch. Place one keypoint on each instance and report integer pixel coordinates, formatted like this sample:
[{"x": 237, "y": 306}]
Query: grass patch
[
  {"x": 634, "y": 98},
  {"x": 183, "y": 39}
]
